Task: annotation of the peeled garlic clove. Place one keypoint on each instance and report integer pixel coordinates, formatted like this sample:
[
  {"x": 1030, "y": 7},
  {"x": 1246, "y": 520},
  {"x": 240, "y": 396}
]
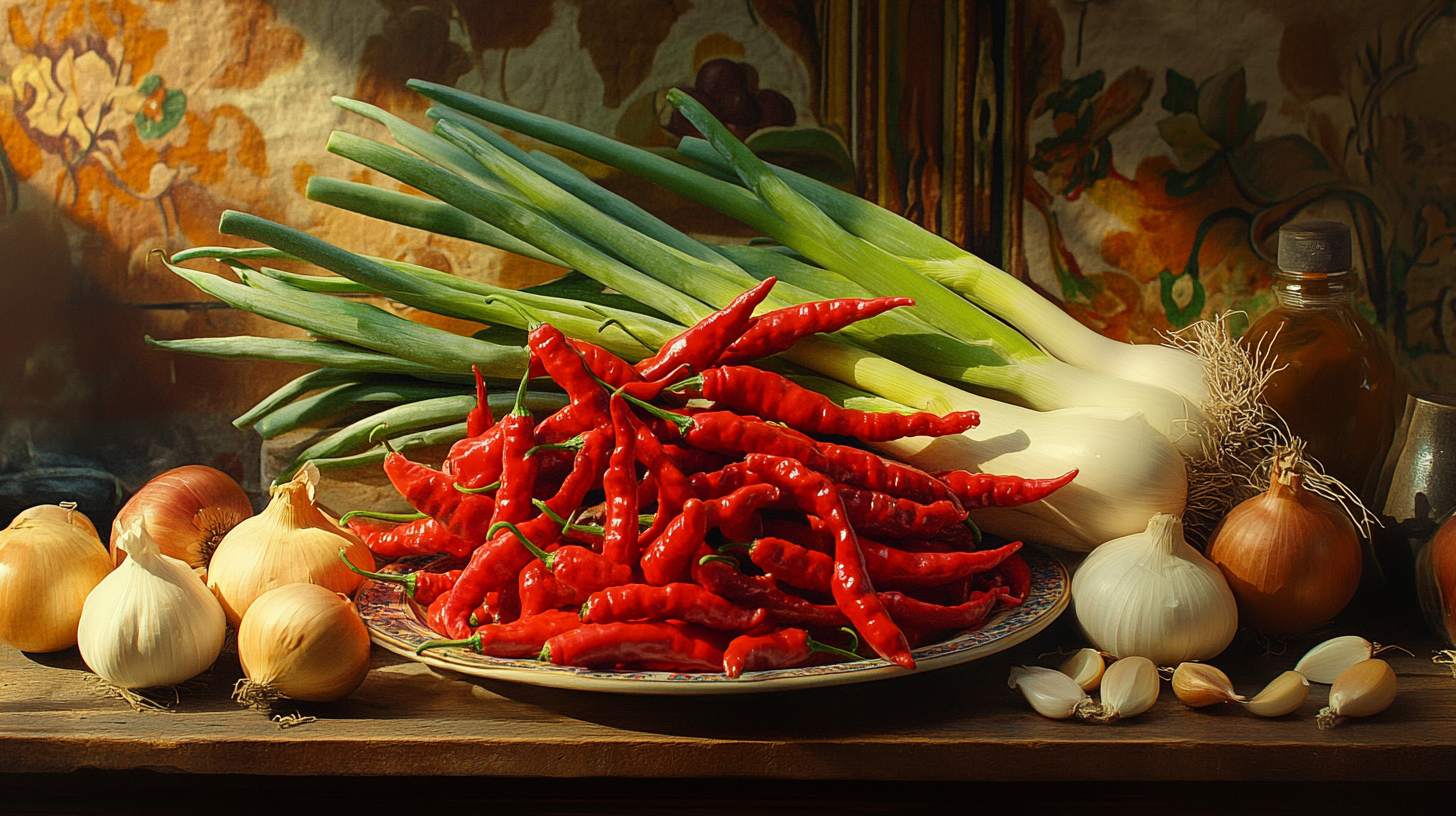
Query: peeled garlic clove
[
  {"x": 1199, "y": 684},
  {"x": 1366, "y": 688},
  {"x": 1287, "y": 693},
  {"x": 1129, "y": 687},
  {"x": 1325, "y": 662},
  {"x": 1085, "y": 667},
  {"x": 1050, "y": 692}
]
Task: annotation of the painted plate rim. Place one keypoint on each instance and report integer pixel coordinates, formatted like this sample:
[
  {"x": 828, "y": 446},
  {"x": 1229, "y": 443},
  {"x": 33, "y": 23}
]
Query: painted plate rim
[{"x": 396, "y": 624}]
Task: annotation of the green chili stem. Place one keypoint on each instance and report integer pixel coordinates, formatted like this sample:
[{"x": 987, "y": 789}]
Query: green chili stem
[
  {"x": 410, "y": 581},
  {"x": 473, "y": 642},
  {"x": 376, "y": 514},
  {"x": 549, "y": 559},
  {"x": 495, "y": 485}
]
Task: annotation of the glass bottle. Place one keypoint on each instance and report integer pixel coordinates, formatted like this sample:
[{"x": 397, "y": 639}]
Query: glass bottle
[{"x": 1336, "y": 387}]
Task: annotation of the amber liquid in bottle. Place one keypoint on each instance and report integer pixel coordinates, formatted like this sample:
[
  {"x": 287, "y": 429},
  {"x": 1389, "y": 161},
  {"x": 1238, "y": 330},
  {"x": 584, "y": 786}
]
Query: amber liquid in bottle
[{"x": 1337, "y": 389}]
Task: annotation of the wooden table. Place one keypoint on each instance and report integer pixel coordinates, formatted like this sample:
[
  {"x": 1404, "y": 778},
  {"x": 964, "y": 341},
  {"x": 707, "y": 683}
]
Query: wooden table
[{"x": 916, "y": 733}]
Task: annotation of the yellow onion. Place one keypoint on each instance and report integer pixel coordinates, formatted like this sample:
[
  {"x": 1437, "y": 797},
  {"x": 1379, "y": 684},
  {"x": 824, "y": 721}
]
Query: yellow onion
[
  {"x": 1292, "y": 558},
  {"x": 64, "y": 512},
  {"x": 291, "y": 542},
  {"x": 47, "y": 568},
  {"x": 188, "y": 510},
  {"x": 303, "y": 642}
]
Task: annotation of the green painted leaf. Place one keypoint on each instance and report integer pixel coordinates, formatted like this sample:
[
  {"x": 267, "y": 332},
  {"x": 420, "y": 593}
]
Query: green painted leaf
[
  {"x": 1182, "y": 185},
  {"x": 1182, "y": 95},
  {"x": 815, "y": 152},
  {"x": 174, "y": 105},
  {"x": 1181, "y": 316},
  {"x": 1191, "y": 146}
]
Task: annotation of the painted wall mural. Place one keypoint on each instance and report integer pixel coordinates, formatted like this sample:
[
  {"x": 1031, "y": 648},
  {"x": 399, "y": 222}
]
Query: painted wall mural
[{"x": 1163, "y": 152}]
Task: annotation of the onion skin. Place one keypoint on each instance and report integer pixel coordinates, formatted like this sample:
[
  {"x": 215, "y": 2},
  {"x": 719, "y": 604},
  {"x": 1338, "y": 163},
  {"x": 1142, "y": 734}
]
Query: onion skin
[
  {"x": 1291, "y": 558},
  {"x": 1436, "y": 582},
  {"x": 67, "y": 515},
  {"x": 188, "y": 510},
  {"x": 47, "y": 568},
  {"x": 304, "y": 642}
]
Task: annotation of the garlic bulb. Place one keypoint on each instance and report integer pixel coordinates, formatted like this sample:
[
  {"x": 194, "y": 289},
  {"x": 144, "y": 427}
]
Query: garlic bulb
[
  {"x": 151, "y": 622},
  {"x": 47, "y": 567},
  {"x": 1085, "y": 666},
  {"x": 303, "y": 642},
  {"x": 1199, "y": 684},
  {"x": 1129, "y": 687},
  {"x": 1050, "y": 692},
  {"x": 291, "y": 542},
  {"x": 1286, "y": 693},
  {"x": 1151, "y": 594},
  {"x": 1325, "y": 662},
  {"x": 1366, "y": 688}
]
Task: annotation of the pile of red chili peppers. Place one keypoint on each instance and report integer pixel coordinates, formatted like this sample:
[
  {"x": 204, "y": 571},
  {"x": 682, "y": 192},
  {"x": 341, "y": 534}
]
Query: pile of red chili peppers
[{"x": 635, "y": 529}]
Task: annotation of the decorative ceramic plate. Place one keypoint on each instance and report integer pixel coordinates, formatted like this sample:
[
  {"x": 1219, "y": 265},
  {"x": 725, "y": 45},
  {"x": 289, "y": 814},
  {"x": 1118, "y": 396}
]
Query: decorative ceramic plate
[{"x": 396, "y": 624}]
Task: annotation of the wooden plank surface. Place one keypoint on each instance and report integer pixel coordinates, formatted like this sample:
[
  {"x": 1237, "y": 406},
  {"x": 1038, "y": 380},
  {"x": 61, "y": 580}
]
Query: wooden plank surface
[{"x": 952, "y": 724}]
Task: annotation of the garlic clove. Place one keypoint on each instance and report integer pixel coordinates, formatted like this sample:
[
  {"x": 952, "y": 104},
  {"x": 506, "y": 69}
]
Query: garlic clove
[
  {"x": 1085, "y": 667},
  {"x": 1129, "y": 687},
  {"x": 1050, "y": 692},
  {"x": 1199, "y": 684},
  {"x": 1286, "y": 693},
  {"x": 1366, "y": 688},
  {"x": 1325, "y": 662}
]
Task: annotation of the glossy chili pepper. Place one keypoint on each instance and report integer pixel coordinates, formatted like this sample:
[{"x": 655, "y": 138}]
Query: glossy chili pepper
[
  {"x": 608, "y": 367},
  {"x": 540, "y": 591},
  {"x": 519, "y": 469},
  {"x": 776, "y": 331},
  {"x": 619, "y": 536},
  {"x": 1015, "y": 576},
  {"x": 668, "y": 558},
  {"x": 684, "y": 602},
  {"x": 478, "y": 420},
  {"x": 853, "y": 590},
  {"x": 653, "y": 646},
  {"x": 702, "y": 344},
  {"x": 887, "y": 566},
  {"x": 465, "y": 515},
  {"x": 877, "y": 513},
  {"x": 419, "y": 537},
  {"x": 476, "y": 461},
  {"x": 564, "y": 364},
  {"x": 421, "y": 587},
  {"x": 736, "y": 514},
  {"x": 923, "y": 620},
  {"x": 673, "y": 487},
  {"x": 501, "y": 606},
  {"x": 773, "y": 397},
  {"x": 803, "y": 533},
  {"x": 693, "y": 461},
  {"x": 783, "y": 649},
  {"x": 730, "y": 433},
  {"x": 577, "y": 567},
  {"x": 500, "y": 560},
  {"x": 985, "y": 490},
  {"x": 522, "y": 638},
  {"x": 720, "y": 574}
]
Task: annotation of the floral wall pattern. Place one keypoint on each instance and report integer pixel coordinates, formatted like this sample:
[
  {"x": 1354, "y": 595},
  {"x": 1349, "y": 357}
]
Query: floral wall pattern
[{"x": 1164, "y": 151}]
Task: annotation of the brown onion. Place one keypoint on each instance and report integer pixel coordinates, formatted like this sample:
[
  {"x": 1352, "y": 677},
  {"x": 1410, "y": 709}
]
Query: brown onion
[
  {"x": 64, "y": 512},
  {"x": 1291, "y": 557},
  {"x": 187, "y": 510}
]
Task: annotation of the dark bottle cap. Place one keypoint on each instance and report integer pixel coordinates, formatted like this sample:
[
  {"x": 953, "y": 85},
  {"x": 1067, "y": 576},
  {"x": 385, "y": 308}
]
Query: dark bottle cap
[{"x": 1314, "y": 247}]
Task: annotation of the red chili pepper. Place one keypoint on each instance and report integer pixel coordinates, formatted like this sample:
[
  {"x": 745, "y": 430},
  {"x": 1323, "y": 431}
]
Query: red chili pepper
[
  {"x": 1015, "y": 576},
  {"x": 853, "y": 590},
  {"x": 619, "y": 536},
  {"x": 466, "y": 515},
  {"x": 419, "y": 537},
  {"x": 887, "y": 566},
  {"x": 673, "y": 487},
  {"x": 736, "y": 514},
  {"x": 519, "y": 468},
  {"x": 924, "y": 620},
  {"x": 421, "y": 587},
  {"x": 541, "y": 591},
  {"x": 479, "y": 420},
  {"x": 577, "y": 567},
  {"x": 564, "y": 364},
  {"x": 693, "y": 460},
  {"x": 730, "y": 433},
  {"x": 684, "y": 602},
  {"x": 784, "y": 649},
  {"x": 776, "y": 331},
  {"x": 500, "y": 560},
  {"x": 720, "y": 574},
  {"x": 608, "y": 367},
  {"x": 652, "y": 646},
  {"x": 801, "y": 533},
  {"x": 985, "y": 490},
  {"x": 877, "y": 513},
  {"x": 476, "y": 461},
  {"x": 523, "y": 638},
  {"x": 668, "y": 558},
  {"x": 501, "y": 606},
  {"x": 702, "y": 344},
  {"x": 774, "y": 397},
  {"x": 435, "y": 612}
]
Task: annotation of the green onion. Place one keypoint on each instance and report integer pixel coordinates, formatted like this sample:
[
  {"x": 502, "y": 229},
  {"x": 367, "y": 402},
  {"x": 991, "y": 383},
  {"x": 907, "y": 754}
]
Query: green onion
[
  {"x": 334, "y": 401},
  {"x": 295, "y": 388},
  {"x": 307, "y": 352}
]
